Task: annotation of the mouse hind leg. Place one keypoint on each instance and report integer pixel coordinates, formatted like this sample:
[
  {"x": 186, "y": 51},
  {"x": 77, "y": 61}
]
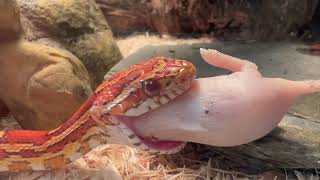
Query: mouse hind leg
[{"x": 224, "y": 61}]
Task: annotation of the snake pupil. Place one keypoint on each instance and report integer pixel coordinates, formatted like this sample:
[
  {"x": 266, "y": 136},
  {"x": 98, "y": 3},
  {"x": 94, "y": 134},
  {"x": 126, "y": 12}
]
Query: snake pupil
[{"x": 151, "y": 87}]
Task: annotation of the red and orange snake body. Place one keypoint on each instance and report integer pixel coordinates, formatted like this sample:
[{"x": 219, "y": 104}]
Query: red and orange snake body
[{"x": 102, "y": 119}]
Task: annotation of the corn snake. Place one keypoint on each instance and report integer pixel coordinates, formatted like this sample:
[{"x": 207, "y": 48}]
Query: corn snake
[{"x": 104, "y": 118}]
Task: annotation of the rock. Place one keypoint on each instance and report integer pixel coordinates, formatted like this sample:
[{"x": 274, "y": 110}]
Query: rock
[
  {"x": 98, "y": 52},
  {"x": 42, "y": 86},
  {"x": 10, "y": 27},
  {"x": 10, "y": 30},
  {"x": 295, "y": 142},
  {"x": 226, "y": 19},
  {"x": 43, "y": 82},
  {"x": 77, "y": 26},
  {"x": 4, "y": 111}
]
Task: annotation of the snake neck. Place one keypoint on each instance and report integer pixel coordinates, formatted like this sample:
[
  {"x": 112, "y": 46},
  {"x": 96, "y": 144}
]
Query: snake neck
[{"x": 44, "y": 150}]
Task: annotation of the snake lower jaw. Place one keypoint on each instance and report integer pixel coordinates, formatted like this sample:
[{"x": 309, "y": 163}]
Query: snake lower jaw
[{"x": 146, "y": 143}]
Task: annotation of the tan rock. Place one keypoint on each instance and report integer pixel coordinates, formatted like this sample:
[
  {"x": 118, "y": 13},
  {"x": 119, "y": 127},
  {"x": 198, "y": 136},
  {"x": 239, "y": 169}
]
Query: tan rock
[
  {"x": 75, "y": 25},
  {"x": 10, "y": 27},
  {"x": 42, "y": 86},
  {"x": 43, "y": 82},
  {"x": 98, "y": 52},
  {"x": 3, "y": 109}
]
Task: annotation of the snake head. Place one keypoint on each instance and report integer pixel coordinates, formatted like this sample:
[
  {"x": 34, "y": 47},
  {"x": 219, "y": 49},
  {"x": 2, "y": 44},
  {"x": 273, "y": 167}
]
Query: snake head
[{"x": 137, "y": 90}]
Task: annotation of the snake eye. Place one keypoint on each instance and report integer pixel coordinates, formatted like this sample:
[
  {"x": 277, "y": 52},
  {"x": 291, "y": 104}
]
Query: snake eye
[{"x": 151, "y": 87}]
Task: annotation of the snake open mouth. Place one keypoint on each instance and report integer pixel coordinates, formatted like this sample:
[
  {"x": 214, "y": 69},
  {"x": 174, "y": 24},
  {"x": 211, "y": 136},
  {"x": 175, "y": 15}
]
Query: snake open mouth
[
  {"x": 147, "y": 143},
  {"x": 140, "y": 90}
]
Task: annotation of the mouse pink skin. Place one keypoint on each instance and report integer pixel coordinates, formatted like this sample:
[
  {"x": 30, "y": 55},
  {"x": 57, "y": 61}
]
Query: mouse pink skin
[{"x": 226, "y": 110}]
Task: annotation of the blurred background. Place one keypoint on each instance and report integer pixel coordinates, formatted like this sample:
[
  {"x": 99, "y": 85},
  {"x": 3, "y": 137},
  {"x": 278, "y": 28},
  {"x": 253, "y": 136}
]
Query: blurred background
[{"x": 223, "y": 19}]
